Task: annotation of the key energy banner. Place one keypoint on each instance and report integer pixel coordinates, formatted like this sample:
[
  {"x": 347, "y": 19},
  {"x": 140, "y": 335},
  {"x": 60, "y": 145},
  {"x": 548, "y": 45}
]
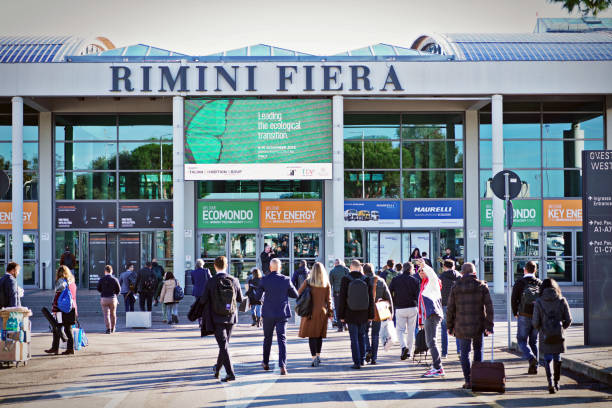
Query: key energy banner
[
  {"x": 364, "y": 214},
  {"x": 563, "y": 213},
  {"x": 246, "y": 139},
  {"x": 228, "y": 214},
  {"x": 30, "y": 215},
  {"x": 291, "y": 214}
]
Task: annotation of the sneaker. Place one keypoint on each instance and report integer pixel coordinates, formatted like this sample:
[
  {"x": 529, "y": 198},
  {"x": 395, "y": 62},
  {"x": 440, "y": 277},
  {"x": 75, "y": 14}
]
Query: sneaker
[
  {"x": 108, "y": 331},
  {"x": 405, "y": 353},
  {"x": 373, "y": 362},
  {"x": 533, "y": 367},
  {"x": 444, "y": 356},
  {"x": 433, "y": 373}
]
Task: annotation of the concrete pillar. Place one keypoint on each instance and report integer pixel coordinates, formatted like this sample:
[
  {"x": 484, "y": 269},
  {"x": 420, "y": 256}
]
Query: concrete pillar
[
  {"x": 472, "y": 195},
  {"x": 608, "y": 141},
  {"x": 497, "y": 124},
  {"x": 190, "y": 224},
  {"x": 17, "y": 183},
  {"x": 178, "y": 195},
  {"x": 334, "y": 189},
  {"x": 45, "y": 202}
]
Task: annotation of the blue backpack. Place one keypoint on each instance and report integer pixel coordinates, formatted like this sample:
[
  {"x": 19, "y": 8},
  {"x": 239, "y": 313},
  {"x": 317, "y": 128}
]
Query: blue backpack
[
  {"x": 179, "y": 293},
  {"x": 64, "y": 301}
]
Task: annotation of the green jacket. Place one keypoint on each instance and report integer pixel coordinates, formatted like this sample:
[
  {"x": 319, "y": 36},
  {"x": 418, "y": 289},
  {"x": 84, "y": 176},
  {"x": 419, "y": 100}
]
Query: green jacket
[{"x": 335, "y": 277}]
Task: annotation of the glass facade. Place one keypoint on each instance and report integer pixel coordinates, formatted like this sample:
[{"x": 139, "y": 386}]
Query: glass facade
[
  {"x": 30, "y": 154},
  {"x": 543, "y": 143}
]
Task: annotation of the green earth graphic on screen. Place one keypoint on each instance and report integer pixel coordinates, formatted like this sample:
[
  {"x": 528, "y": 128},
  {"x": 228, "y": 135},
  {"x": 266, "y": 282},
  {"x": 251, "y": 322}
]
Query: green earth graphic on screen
[{"x": 258, "y": 131}]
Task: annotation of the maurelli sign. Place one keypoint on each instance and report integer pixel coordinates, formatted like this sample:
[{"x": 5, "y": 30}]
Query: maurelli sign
[{"x": 211, "y": 78}]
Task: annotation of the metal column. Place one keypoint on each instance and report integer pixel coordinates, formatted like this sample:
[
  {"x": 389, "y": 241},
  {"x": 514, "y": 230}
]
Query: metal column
[
  {"x": 472, "y": 211},
  {"x": 178, "y": 196},
  {"x": 17, "y": 183},
  {"x": 45, "y": 194},
  {"x": 335, "y": 216},
  {"x": 497, "y": 121}
]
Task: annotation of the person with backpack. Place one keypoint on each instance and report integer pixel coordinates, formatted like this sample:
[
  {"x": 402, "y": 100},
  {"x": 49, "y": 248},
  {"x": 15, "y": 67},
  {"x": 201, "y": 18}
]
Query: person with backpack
[
  {"x": 251, "y": 289},
  {"x": 427, "y": 260},
  {"x": 276, "y": 311},
  {"x": 169, "y": 303},
  {"x": 387, "y": 269},
  {"x": 381, "y": 293},
  {"x": 430, "y": 314},
  {"x": 551, "y": 316},
  {"x": 448, "y": 277},
  {"x": 315, "y": 327},
  {"x": 158, "y": 270},
  {"x": 405, "y": 292},
  {"x": 469, "y": 316},
  {"x": 9, "y": 289},
  {"x": 109, "y": 288},
  {"x": 356, "y": 308},
  {"x": 127, "y": 280},
  {"x": 68, "y": 259},
  {"x": 338, "y": 272},
  {"x": 300, "y": 274},
  {"x": 223, "y": 294},
  {"x": 66, "y": 317},
  {"x": 146, "y": 284},
  {"x": 524, "y": 294}
]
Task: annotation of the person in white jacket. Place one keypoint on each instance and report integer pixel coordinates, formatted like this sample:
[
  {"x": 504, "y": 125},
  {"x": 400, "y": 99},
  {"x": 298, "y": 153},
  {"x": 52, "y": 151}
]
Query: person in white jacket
[{"x": 430, "y": 314}]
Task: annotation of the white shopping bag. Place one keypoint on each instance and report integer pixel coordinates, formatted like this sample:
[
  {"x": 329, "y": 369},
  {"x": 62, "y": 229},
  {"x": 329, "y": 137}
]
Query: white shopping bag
[{"x": 388, "y": 335}]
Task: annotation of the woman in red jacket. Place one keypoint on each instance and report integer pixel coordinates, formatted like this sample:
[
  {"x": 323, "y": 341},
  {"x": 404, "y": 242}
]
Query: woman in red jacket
[{"x": 64, "y": 278}]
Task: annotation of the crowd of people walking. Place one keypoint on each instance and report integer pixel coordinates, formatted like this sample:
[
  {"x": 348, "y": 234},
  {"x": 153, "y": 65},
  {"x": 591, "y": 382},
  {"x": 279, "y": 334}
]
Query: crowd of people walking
[{"x": 409, "y": 298}]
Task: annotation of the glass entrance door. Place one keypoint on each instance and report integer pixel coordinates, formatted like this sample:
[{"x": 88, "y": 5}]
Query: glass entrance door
[
  {"x": 30, "y": 257},
  {"x": 212, "y": 245},
  {"x": 114, "y": 249},
  {"x": 243, "y": 254},
  {"x": 279, "y": 241}
]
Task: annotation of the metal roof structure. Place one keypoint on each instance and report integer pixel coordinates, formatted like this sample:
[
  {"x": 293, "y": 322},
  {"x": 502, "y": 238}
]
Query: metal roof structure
[
  {"x": 573, "y": 25},
  {"x": 259, "y": 50},
  {"x": 595, "y": 46},
  {"x": 138, "y": 50},
  {"x": 381, "y": 49},
  {"x": 14, "y": 49}
]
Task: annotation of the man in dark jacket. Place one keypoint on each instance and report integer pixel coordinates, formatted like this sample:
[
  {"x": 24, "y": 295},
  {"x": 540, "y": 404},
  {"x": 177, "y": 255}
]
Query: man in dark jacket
[
  {"x": 338, "y": 272},
  {"x": 275, "y": 312},
  {"x": 356, "y": 308},
  {"x": 405, "y": 291},
  {"x": 524, "y": 294},
  {"x": 448, "y": 278},
  {"x": 300, "y": 274},
  {"x": 9, "y": 290},
  {"x": 382, "y": 293},
  {"x": 199, "y": 278},
  {"x": 146, "y": 284},
  {"x": 223, "y": 323},
  {"x": 469, "y": 316},
  {"x": 265, "y": 257}
]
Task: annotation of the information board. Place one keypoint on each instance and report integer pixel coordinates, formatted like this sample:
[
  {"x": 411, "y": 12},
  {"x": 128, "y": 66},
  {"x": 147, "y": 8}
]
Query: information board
[
  {"x": 76, "y": 215},
  {"x": 253, "y": 139},
  {"x": 597, "y": 245},
  {"x": 365, "y": 214}
]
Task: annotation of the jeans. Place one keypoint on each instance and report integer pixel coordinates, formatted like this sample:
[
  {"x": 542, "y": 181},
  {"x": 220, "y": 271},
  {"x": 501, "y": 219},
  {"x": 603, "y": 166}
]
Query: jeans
[
  {"x": 109, "y": 311},
  {"x": 406, "y": 325},
  {"x": 223, "y": 332},
  {"x": 169, "y": 310},
  {"x": 280, "y": 324},
  {"x": 256, "y": 310},
  {"x": 445, "y": 336},
  {"x": 465, "y": 346},
  {"x": 315, "y": 344},
  {"x": 357, "y": 333},
  {"x": 128, "y": 299},
  {"x": 372, "y": 346},
  {"x": 431, "y": 329},
  {"x": 547, "y": 359},
  {"x": 527, "y": 334},
  {"x": 336, "y": 303},
  {"x": 142, "y": 297}
]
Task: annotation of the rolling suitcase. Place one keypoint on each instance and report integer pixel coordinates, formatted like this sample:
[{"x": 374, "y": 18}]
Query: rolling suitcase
[{"x": 489, "y": 376}]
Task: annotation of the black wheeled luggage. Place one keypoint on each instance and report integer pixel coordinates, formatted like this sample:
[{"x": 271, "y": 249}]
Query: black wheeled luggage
[{"x": 488, "y": 375}]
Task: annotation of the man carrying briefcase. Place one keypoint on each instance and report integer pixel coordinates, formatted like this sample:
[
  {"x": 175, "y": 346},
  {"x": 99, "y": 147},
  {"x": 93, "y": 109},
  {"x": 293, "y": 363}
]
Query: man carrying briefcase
[{"x": 469, "y": 317}]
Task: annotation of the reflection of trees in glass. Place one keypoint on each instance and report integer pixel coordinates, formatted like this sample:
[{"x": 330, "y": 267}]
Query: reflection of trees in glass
[{"x": 148, "y": 156}]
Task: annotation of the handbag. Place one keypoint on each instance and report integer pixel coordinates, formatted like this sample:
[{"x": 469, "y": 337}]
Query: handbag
[
  {"x": 244, "y": 305},
  {"x": 179, "y": 293},
  {"x": 64, "y": 301},
  {"x": 382, "y": 311},
  {"x": 303, "y": 305}
]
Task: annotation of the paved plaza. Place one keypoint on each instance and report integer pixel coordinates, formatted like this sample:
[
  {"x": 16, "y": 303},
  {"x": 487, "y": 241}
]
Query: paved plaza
[{"x": 171, "y": 366}]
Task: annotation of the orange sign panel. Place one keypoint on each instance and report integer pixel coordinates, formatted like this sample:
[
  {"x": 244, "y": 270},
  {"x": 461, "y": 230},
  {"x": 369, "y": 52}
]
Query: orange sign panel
[
  {"x": 30, "y": 215},
  {"x": 291, "y": 214},
  {"x": 563, "y": 213}
]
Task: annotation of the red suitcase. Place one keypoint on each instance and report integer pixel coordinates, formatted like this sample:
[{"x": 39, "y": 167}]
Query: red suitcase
[{"x": 488, "y": 376}]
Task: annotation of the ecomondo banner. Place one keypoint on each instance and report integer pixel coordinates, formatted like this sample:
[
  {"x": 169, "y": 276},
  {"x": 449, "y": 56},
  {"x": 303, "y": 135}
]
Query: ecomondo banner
[
  {"x": 246, "y": 139},
  {"x": 291, "y": 214},
  {"x": 228, "y": 214},
  {"x": 527, "y": 213}
]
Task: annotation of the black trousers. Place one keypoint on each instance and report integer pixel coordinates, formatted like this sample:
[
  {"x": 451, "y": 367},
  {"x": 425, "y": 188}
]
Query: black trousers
[
  {"x": 315, "y": 343},
  {"x": 223, "y": 332},
  {"x": 68, "y": 319},
  {"x": 141, "y": 300}
]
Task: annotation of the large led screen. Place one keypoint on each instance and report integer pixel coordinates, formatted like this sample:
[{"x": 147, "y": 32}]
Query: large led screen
[{"x": 250, "y": 139}]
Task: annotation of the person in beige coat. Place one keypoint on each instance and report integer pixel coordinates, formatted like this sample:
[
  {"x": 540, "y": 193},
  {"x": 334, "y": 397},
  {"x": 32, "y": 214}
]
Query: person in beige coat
[
  {"x": 166, "y": 297},
  {"x": 315, "y": 326}
]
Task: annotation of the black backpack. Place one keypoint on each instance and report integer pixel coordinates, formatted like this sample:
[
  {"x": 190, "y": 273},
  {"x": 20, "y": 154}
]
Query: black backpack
[
  {"x": 551, "y": 327},
  {"x": 358, "y": 295},
  {"x": 224, "y": 297},
  {"x": 530, "y": 294},
  {"x": 149, "y": 284},
  {"x": 420, "y": 344}
]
